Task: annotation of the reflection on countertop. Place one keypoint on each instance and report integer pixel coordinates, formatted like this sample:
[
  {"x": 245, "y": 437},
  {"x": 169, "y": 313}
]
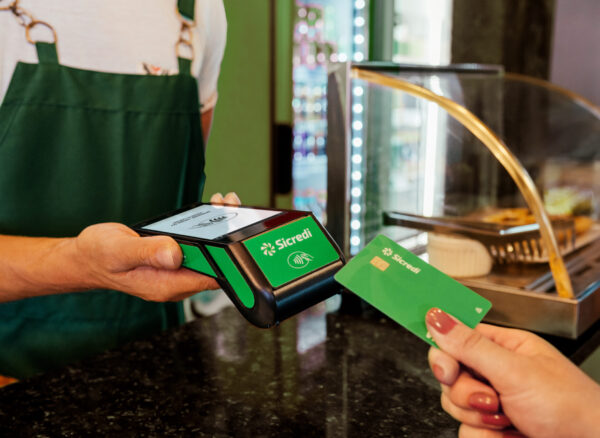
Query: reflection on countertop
[{"x": 317, "y": 374}]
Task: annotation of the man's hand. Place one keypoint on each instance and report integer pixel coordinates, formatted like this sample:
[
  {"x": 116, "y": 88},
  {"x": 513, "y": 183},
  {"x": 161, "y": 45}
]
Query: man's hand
[
  {"x": 230, "y": 198},
  {"x": 107, "y": 256},
  {"x": 114, "y": 256}
]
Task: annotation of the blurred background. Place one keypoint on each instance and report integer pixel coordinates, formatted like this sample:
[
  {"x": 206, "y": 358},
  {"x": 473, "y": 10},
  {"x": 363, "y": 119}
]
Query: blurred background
[
  {"x": 269, "y": 141},
  {"x": 270, "y": 131}
]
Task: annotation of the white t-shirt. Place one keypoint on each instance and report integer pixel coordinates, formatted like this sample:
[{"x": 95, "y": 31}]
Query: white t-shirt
[{"x": 118, "y": 36}]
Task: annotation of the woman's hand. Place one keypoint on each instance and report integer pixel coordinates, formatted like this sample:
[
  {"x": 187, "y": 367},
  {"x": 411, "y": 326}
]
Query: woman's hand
[{"x": 496, "y": 379}]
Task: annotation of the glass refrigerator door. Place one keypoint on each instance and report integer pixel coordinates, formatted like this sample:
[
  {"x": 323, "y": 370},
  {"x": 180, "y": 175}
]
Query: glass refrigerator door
[
  {"x": 325, "y": 31},
  {"x": 330, "y": 31},
  {"x": 422, "y": 32}
]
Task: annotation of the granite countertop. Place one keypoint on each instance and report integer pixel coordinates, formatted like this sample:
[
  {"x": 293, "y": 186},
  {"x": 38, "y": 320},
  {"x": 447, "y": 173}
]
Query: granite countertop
[{"x": 317, "y": 374}]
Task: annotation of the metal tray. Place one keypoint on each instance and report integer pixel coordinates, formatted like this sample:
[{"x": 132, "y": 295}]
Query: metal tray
[{"x": 523, "y": 296}]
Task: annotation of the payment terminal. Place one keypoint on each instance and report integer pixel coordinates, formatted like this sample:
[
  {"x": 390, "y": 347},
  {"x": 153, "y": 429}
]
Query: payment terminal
[{"x": 271, "y": 263}]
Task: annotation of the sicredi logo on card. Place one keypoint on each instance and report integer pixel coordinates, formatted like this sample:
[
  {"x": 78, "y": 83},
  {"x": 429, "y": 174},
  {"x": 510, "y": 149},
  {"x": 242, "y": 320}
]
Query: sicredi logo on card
[{"x": 388, "y": 252}]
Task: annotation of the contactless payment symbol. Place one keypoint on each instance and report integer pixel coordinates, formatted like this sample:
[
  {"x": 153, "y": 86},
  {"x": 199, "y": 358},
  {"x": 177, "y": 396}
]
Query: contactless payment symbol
[
  {"x": 299, "y": 259},
  {"x": 267, "y": 249}
]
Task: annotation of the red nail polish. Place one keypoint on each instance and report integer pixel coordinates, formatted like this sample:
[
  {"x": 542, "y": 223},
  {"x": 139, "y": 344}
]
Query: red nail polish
[
  {"x": 440, "y": 320},
  {"x": 499, "y": 420},
  {"x": 438, "y": 372},
  {"x": 483, "y": 402}
]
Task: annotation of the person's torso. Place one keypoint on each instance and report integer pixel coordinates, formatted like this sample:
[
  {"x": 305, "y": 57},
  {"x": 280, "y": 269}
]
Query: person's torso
[
  {"x": 90, "y": 144},
  {"x": 115, "y": 36}
]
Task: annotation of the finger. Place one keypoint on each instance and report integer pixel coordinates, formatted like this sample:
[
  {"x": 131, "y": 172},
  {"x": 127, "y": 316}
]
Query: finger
[
  {"x": 474, "y": 418},
  {"x": 232, "y": 198},
  {"x": 188, "y": 288},
  {"x": 508, "y": 338},
  {"x": 217, "y": 198},
  {"x": 444, "y": 367},
  {"x": 466, "y": 431},
  {"x": 161, "y": 285},
  {"x": 160, "y": 252},
  {"x": 470, "y": 393},
  {"x": 516, "y": 340},
  {"x": 469, "y": 346}
]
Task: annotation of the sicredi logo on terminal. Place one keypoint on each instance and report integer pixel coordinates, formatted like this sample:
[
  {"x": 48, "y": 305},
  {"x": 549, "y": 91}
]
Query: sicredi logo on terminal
[{"x": 284, "y": 242}]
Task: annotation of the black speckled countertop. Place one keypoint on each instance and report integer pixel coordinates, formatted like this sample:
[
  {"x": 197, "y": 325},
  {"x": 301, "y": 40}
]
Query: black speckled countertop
[{"x": 317, "y": 374}]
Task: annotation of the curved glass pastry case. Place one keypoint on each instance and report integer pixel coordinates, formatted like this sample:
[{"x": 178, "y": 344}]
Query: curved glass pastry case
[{"x": 493, "y": 177}]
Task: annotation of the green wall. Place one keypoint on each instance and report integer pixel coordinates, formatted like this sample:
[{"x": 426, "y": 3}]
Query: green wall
[
  {"x": 284, "y": 26},
  {"x": 238, "y": 153},
  {"x": 284, "y": 11}
]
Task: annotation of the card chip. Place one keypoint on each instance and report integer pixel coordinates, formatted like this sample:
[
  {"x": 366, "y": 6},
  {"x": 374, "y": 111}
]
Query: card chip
[{"x": 379, "y": 263}]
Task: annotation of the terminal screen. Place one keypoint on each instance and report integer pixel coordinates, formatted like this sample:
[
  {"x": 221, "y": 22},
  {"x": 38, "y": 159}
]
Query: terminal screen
[{"x": 210, "y": 221}]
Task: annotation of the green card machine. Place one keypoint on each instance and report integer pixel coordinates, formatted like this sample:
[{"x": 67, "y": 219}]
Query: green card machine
[{"x": 271, "y": 263}]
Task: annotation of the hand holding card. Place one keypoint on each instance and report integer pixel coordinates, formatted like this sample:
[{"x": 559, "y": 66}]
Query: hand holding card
[{"x": 404, "y": 287}]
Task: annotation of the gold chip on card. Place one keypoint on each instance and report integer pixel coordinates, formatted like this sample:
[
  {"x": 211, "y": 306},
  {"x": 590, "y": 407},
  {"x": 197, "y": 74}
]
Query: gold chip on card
[{"x": 379, "y": 263}]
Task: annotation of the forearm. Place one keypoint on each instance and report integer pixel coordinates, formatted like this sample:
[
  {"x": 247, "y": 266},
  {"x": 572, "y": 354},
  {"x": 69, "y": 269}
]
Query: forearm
[
  {"x": 38, "y": 266},
  {"x": 102, "y": 256},
  {"x": 206, "y": 120}
]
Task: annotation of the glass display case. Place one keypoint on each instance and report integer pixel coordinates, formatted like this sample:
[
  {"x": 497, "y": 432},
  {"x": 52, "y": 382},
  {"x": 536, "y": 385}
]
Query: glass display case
[{"x": 492, "y": 177}]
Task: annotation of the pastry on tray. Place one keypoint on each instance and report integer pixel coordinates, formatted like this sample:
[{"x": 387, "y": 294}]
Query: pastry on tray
[
  {"x": 522, "y": 216},
  {"x": 457, "y": 256},
  {"x": 462, "y": 257}
]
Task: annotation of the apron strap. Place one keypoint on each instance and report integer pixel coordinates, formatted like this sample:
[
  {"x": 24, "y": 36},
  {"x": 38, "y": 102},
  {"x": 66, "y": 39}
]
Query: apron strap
[
  {"x": 185, "y": 44},
  {"x": 187, "y": 8},
  {"x": 185, "y": 65},
  {"x": 46, "y": 52}
]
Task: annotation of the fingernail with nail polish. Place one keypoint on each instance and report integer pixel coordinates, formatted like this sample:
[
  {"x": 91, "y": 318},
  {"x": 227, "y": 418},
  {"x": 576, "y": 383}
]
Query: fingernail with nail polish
[
  {"x": 438, "y": 372},
  {"x": 440, "y": 321},
  {"x": 483, "y": 402},
  {"x": 499, "y": 420}
]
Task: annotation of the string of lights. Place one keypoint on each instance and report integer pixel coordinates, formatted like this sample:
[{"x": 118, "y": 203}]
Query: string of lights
[{"x": 359, "y": 49}]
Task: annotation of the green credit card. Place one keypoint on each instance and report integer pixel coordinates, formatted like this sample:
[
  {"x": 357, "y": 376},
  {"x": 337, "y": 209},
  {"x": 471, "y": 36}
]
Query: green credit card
[{"x": 405, "y": 287}]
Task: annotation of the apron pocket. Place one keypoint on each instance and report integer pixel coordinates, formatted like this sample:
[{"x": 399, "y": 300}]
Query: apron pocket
[{"x": 8, "y": 113}]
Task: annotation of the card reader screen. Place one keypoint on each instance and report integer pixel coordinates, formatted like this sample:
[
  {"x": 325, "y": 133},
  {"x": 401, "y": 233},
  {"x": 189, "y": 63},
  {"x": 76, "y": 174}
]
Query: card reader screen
[{"x": 210, "y": 221}]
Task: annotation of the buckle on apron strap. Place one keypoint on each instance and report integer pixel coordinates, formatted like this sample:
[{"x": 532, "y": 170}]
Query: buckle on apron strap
[
  {"x": 34, "y": 23},
  {"x": 185, "y": 40},
  {"x": 23, "y": 17},
  {"x": 26, "y": 20}
]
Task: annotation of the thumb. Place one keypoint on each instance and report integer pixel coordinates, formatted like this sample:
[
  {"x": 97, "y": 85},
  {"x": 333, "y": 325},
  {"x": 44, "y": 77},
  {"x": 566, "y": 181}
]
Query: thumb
[
  {"x": 468, "y": 346},
  {"x": 160, "y": 252}
]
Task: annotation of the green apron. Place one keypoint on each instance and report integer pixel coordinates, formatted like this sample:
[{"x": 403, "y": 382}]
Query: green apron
[{"x": 77, "y": 148}]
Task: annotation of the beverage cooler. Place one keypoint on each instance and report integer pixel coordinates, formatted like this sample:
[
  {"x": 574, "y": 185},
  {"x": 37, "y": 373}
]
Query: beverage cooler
[
  {"x": 492, "y": 177},
  {"x": 324, "y": 32}
]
